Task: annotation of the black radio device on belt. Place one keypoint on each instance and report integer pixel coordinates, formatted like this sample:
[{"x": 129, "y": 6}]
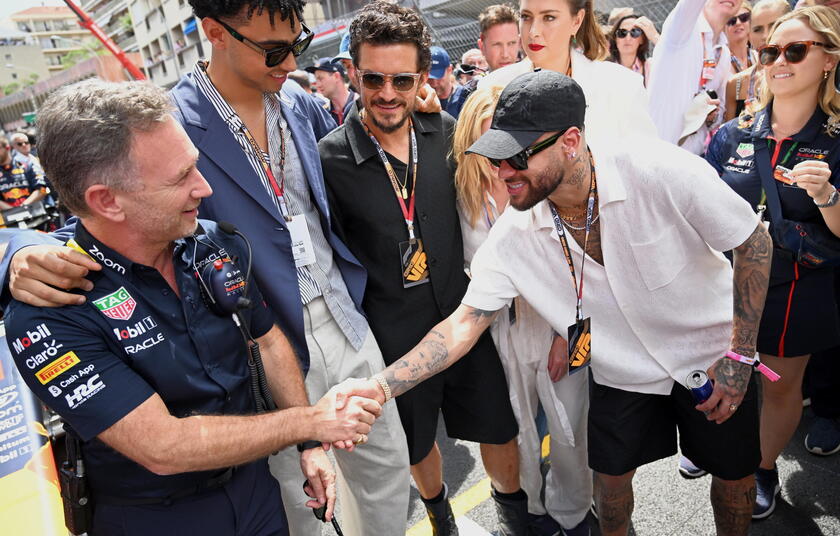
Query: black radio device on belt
[{"x": 224, "y": 290}]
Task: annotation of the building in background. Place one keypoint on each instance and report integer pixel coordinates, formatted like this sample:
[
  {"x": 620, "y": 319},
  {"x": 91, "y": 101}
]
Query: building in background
[
  {"x": 55, "y": 30},
  {"x": 20, "y": 109},
  {"x": 114, "y": 18},
  {"x": 171, "y": 40},
  {"x": 21, "y": 60}
]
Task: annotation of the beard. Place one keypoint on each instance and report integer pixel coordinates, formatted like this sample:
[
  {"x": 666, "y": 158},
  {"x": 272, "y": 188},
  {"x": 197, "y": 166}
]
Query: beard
[
  {"x": 396, "y": 124},
  {"x": 540, "y": 187}
]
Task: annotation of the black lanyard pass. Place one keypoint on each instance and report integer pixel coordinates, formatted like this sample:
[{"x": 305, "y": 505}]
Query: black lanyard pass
[{"x": 579, "y": 338}]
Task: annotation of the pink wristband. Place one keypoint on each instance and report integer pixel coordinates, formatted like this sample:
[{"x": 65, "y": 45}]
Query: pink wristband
[{"x": 754, "y": 362}]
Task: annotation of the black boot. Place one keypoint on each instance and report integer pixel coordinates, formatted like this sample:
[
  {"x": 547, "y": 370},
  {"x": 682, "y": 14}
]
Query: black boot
[
  {"x": 440, "y": 514},
  {"x": 512, "y": 510}
]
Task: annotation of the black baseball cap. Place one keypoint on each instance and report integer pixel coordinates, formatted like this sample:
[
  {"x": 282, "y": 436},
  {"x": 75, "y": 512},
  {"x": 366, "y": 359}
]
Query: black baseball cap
[
  {"x": 326, "y": 64},
  {"x": 531, "y": 105}
]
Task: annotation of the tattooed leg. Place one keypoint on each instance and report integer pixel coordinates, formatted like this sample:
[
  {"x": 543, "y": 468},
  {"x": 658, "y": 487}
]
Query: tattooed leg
[
  {"x": 614, "y": 501},
  {"x": 732, "y": 502}
]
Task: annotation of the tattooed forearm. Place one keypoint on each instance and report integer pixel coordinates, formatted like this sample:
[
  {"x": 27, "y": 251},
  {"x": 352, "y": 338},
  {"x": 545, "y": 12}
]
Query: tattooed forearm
[
  {"x": 751, "y": 276},
  {"x": 439, "y": 349}
]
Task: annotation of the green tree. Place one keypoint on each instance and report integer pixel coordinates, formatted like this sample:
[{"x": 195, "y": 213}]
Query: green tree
[
  {"x": 31, "y": 79},
  {"x": 8, "y": 89},
  {"x": 81, "y": 54}
]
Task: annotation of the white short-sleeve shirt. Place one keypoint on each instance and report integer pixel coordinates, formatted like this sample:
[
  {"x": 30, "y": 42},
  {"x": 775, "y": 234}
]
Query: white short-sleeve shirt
[{"x": 661, "y": 306}]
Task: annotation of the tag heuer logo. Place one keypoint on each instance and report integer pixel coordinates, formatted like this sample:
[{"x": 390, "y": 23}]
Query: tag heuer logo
[
  {"x": 118, "y": 305},
  {"x": 745, "y": 150}
]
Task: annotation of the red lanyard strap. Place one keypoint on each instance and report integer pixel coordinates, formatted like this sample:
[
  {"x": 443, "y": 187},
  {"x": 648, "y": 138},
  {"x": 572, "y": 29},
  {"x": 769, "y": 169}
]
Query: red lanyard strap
[
  {"x": 279, "y": 189},
  {"x": 400, "y": 191},
  {"x": 561, "y": 232}
]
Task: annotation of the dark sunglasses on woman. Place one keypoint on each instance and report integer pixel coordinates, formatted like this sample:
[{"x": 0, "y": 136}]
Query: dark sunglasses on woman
[
  {"x": 742, "y": 18},
  {"x": 794, "y": 52},
  {"x": 519, "y": 161},
  {"x": 621, "y": 33},
  {"x": 401, "y": 81},
  {"x": 275, "y": 56}
]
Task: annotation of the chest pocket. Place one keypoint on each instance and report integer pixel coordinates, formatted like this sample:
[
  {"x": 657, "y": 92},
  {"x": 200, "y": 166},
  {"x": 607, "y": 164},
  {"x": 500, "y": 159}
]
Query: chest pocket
[{"x": 660, "y": 260}]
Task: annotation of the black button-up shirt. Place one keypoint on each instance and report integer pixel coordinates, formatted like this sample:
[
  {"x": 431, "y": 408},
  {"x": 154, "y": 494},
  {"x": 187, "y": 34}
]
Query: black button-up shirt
[
  {"x": 368, "y": 218},
  {"x": 94, "y": 363}
]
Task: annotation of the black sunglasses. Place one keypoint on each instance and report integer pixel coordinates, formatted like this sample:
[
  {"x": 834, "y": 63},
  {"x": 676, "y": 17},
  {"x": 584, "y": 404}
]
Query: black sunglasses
[
  {"x": 794, "y": 52},
  {"x": 275, "y": 56},
  {"x": 466, "y": 68},
  {"x": 743, "y": 17},
  {"x": 519, "y": 161},
  {"x": 621, "y": 33},
  {"x": 401, "y": 81},
  {"x": 21, "y": 143}
]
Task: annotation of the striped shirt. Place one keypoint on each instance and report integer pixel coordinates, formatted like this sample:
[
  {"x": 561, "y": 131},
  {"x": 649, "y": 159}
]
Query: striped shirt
[{"x": 321, "y": 278}]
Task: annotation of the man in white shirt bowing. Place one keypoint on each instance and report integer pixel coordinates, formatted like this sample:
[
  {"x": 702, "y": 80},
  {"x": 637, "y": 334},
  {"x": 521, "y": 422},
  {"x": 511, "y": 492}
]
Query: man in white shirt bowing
[{"x": 657, "y": 304}]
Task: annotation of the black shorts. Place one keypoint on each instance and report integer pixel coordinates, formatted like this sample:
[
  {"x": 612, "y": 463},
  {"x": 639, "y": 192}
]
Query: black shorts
[
  {"x": 473, "y": 396},
  {"x": 628, "y": 430},
  {"x": 800, "y": 315}
]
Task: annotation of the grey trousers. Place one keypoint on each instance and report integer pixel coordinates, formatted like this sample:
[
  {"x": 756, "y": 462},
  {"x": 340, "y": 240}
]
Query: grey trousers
[{"x": 374, "y": 479}]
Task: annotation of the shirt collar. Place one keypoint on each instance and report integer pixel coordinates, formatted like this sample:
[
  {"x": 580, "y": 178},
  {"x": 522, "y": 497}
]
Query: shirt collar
[
  {"x": 813, "y": 128},
  {"x": 610, "y": 189},
  {"x": 704, "y": 26},
  {"x": 225, "y": 110},
  {"x": 84, "y": 242},
  {"x": 361, "y": 144}
]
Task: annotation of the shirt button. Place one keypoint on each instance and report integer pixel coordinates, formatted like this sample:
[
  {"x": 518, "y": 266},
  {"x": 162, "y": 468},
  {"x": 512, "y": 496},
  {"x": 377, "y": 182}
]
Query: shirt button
[
  {"x": 165, "y": 292},
  {"x": 433, "y": 261},
  {"x": 424, "y": 217}
]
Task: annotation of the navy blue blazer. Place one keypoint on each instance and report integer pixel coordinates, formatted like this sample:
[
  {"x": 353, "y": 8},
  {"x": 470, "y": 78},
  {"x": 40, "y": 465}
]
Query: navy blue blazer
[{"x": 240, "y": 198}]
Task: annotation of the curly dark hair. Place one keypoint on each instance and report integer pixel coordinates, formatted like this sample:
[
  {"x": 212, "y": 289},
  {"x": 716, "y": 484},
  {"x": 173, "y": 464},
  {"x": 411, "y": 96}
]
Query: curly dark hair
[
  {"x": 641, "y": 52},
  {"x": 385, "y": 23},
  {"x": 231, "y": 10}
]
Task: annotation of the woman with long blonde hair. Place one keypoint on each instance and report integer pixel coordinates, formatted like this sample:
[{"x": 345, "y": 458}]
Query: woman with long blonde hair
[
  {"x": 524, "y": 340},
  {"x": 788, "y": 157}
]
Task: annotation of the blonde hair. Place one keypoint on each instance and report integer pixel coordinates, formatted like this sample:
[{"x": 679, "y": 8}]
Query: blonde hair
[
  {"x": 472, "y": 176},
  {"x": 826, "y": 22},
  {"x": 781, "y": 5}
]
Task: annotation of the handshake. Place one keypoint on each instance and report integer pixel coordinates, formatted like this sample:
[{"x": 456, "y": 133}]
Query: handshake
[{"x": 345, "y": 415}]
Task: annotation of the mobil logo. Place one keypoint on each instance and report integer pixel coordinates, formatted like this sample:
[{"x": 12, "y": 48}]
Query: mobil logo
[{"x": 41, "y": 331}]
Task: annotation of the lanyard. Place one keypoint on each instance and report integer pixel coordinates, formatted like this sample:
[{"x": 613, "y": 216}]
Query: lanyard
[
  {"x": 279, "y": 189},
  {"x": 561, "y": 232},
  {"x": 708, "y": 62},
  {"x": 762, "y": 204},
  {"x": 400, "y": 191}
]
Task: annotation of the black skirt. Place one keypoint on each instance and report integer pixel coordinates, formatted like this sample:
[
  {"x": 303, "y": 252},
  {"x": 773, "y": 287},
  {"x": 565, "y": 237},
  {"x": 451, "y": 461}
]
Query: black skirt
[{"x": 800, "y": 315}]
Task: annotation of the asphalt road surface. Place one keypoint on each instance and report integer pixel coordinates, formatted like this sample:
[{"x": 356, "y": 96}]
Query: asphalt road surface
[{"x": 666, "y": 504}]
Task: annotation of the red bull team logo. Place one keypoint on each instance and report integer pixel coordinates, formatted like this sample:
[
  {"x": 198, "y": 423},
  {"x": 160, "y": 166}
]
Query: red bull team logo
[{"x": 118, "y": 305}]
